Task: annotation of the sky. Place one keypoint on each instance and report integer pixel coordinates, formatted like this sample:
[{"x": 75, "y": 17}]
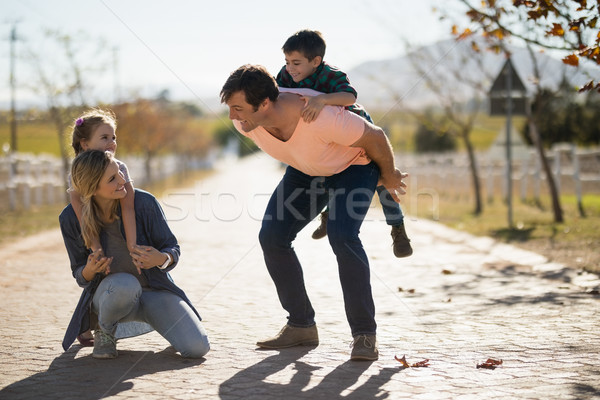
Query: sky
[{"x": 190, "y": 47}]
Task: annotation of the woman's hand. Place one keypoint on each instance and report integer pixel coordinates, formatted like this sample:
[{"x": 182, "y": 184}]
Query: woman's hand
[
  {"x": 96, "y": 264},
  {"x": 145, "y": 257}
]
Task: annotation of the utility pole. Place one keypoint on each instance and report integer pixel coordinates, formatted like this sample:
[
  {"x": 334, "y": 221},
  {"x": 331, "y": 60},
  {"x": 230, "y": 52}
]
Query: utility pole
[
  {"x": 13, "y": 91},
  {"x": 116, "y": 94}
]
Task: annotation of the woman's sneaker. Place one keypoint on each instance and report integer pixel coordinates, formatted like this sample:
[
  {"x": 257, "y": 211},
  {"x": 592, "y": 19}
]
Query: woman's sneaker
[{"x": 105, "y": 345}]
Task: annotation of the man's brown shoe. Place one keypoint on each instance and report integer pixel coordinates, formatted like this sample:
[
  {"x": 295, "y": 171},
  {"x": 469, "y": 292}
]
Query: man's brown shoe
[
  {"x": 364, "y": 348},
  {"x": 290, "y": 336},
  {"x": 401, "y": 242},
  {"x": 321, "y": 231}
]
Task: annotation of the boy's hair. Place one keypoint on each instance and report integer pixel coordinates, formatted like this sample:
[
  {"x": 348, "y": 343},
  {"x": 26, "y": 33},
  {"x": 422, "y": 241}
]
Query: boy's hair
[
  {"x": 85, "y": 125},
  {"x": 309, "y": 43},
  {"x": 256, "y": 83}
]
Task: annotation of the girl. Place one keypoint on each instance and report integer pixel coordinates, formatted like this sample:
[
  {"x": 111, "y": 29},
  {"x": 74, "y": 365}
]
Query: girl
[{"x": 95, "y": 130}]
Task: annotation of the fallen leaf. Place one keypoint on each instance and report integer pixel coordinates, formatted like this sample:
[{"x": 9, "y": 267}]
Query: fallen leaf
[
  {"x": 424, "y": 363},
  {"x": 402, "y": 361},
  {"x": 490, "y": 363},
  {"x": 405, "y": 364}
]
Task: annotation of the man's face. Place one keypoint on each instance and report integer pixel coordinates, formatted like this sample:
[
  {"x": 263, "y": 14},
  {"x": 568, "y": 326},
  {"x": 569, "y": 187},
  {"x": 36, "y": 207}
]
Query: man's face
[
  {"x": 242, "y": 111},
  {"x": 299, "y": 67}
]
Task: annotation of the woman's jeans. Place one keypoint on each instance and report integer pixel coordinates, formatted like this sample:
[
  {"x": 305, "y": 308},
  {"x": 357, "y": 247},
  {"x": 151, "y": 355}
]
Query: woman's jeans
[
  {"x": 120, "y": 298},
  {"x": 296, "y": 201}
]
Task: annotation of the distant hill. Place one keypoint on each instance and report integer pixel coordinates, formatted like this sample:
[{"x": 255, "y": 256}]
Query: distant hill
[{"x": 382, "y": 84}]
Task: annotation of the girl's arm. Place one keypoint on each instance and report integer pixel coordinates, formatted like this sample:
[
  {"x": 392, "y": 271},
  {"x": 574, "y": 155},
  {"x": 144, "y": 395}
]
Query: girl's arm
[
  {"x": 77, "y": 204},
  {"x": 128, "y": 215}
]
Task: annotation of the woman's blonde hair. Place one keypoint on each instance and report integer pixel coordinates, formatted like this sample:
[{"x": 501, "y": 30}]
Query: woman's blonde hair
[{"x": 86, "y": 172}]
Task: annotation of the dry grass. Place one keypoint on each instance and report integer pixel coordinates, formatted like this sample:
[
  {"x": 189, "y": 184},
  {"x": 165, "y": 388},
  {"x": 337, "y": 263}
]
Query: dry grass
[{"x": 574, "y": 242}]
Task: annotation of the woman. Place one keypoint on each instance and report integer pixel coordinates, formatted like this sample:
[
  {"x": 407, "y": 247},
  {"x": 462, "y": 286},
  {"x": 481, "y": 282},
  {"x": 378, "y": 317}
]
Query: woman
[{"x": 125, "y": 294}]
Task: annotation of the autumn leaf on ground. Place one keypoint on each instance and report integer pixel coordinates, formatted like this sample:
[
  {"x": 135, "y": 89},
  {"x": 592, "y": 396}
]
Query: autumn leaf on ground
[
  {"x": 405, "y": 364},
  {"x": 402, "y": 361},
  {"x": 490, "y": 363}
]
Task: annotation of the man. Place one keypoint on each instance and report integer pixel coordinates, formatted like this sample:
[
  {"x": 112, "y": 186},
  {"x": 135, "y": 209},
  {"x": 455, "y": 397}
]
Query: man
[{"x": 336, "y": 159}]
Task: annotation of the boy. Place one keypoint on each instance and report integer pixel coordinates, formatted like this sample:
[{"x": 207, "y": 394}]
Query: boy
[{"x": 305, "y": 68}]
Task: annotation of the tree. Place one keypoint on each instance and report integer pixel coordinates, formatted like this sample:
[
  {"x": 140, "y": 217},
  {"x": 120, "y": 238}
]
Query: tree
[
  {"x": 153, "y": 127},
  {"x": 446, "y": 77},
  {"x": 61, "y": 66},
  {"x": 568, "y": 26},
  {"x": 428, "y": 137}
]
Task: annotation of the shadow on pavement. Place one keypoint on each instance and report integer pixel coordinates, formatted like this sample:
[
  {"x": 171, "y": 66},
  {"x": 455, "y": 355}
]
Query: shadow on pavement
[
  {"x": 89, "y": 378},
  {"x": 254, "y": 383}
]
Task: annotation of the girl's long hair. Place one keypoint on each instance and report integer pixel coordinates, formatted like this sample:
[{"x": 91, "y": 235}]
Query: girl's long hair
[
  {"x": 85, "y": 125},
  {"x": 86, "y": 172}
]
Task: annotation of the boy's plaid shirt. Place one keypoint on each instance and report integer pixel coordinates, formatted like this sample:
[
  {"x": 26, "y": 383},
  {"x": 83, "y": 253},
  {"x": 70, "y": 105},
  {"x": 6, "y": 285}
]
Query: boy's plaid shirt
[{"x": 326, "y": 79}]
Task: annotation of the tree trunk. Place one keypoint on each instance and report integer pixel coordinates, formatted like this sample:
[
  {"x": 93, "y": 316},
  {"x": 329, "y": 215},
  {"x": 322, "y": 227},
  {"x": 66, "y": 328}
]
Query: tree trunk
[
  {"x": 558, "y": 214},
  {"x": 474, "y": 175}
]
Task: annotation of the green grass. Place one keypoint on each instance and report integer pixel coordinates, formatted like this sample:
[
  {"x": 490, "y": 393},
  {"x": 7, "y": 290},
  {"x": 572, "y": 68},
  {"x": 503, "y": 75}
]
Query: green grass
[
  {"x": 33, "y": 137},
  {"x": 15, "y": 225},
  {"x": 573, "y": 242}
]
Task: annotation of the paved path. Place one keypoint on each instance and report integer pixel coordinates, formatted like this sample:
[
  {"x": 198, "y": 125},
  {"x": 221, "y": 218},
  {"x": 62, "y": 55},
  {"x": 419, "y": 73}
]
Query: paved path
[{"x": 457, "y": 301}]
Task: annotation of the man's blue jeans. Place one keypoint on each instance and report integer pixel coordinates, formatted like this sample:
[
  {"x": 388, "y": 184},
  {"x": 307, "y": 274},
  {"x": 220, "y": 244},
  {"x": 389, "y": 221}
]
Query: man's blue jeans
[{"x": 296, "y": 201}]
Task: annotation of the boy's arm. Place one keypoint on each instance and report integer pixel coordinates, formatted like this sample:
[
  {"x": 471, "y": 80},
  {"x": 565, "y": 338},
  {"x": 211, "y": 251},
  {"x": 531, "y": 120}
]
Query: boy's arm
[
  {"x": 128, "y": 215},
  {"x": 314, "y": 104},
  {"x": 77, "y": 205}
]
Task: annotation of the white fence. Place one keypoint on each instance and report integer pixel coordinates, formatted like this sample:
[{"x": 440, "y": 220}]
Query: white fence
[
  {"x": 576, "y": 172},
  {"x": 28, "y": 180}
]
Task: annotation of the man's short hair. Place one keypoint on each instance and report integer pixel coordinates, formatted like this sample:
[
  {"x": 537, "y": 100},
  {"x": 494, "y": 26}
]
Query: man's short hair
[
  {"x": 308, "y": 43},
  {"x": 256, "y": 83}
]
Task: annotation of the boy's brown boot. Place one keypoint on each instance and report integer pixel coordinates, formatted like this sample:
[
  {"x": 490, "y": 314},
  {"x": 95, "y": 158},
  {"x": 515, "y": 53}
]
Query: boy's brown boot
[
  {"x": 321, "y": 231},
  {"x": 401, "y": 242}
]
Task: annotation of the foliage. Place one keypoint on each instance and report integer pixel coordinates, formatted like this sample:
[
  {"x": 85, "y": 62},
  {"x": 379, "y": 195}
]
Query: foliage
[
  {"x": 225, "y": 133},
  {"x": 570, "y": 26},
  {"x": 562, "y": 119},
  {"x": 152, "y": 127},
  {"x": 428, "y": 138}
]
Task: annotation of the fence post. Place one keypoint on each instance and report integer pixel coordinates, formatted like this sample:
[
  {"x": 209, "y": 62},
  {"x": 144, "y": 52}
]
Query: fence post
[
  {"x": 26, "y": 182},
  {"x": 524, "y": 178},
  {"x": 12, "y": 189},
  {"x": 577, "y": 179},
  {"x": 490, "y": 181},
  {"x": 557, "y": 169}
]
